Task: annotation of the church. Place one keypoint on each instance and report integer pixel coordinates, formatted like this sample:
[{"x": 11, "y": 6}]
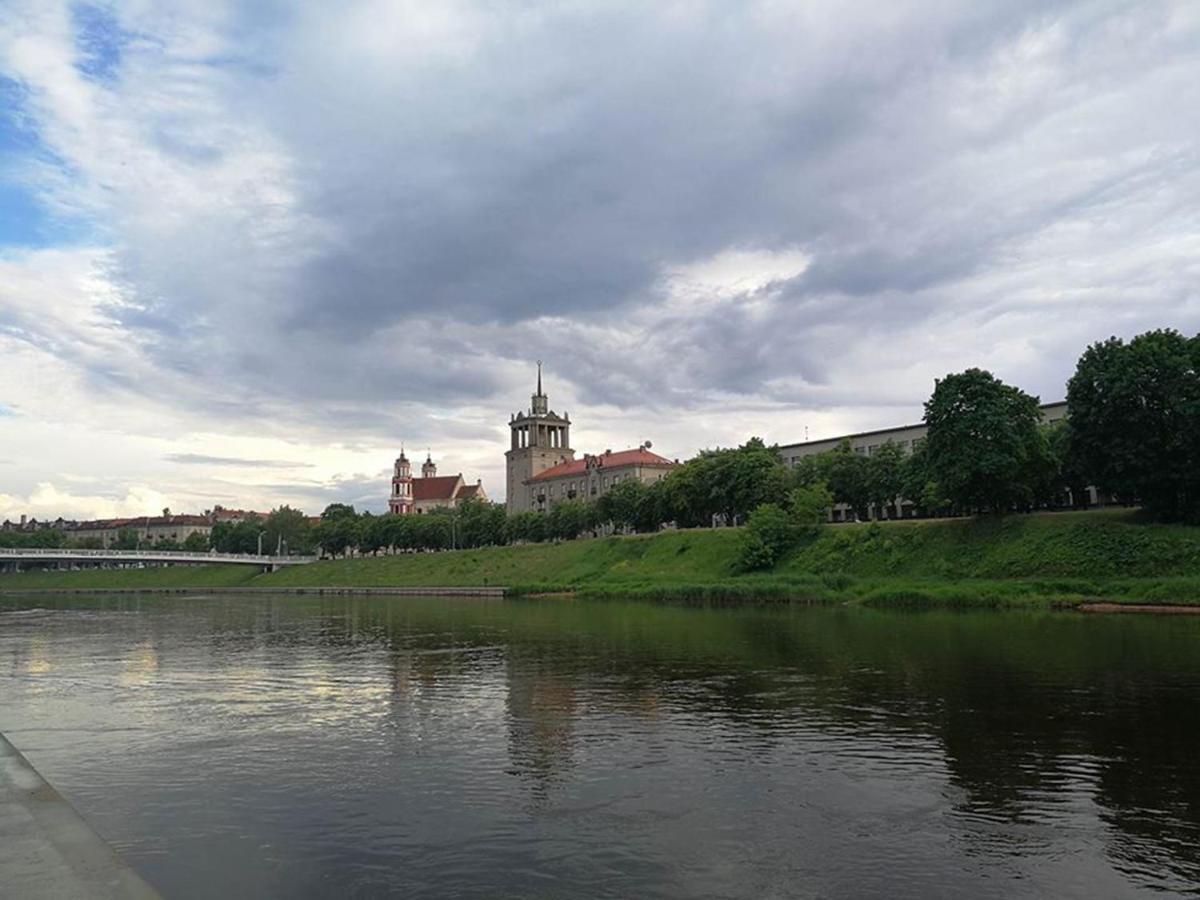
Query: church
[
  {"x": 541, "y": 468},
  {"x": 416, "y": 496}
]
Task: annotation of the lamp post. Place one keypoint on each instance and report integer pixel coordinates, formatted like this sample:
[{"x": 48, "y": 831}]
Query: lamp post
[{"x": 260, "y": 537}]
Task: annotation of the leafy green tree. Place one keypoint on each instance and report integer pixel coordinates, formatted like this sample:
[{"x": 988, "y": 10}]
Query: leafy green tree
[
  {"x": 687, "y": 494},
  {"x": 338, "y": 511},
  {"x": 808, "y": 507},
  {"x": 479, "y": 524},
  {"x": 431, "y": 532},
  {"x": 885, "y": 477},
  {"x": 399, "y": 534},
  {"x": 127, "y": 539},
  {"x": 725, "y": 482},
  {"x": 237, "y": 537},
  {"x": 651, "y": 510},
  {"x": 374, "y": 533},
  {"x": 338, "y": 534},
  {"x": 848, "y": 476},
  {"x": 918, "y": 485},
  {"x": 748, "y": 477},
  {"x": 621, "y": 506},
  {"x": 768, "y": 535},
  {"x": 196, "y": 542},
  {"x": 526, "y": 526},
  {"x": 1135, "y": 421},
  {"x": 166, "y": 543},
  {"x": 810, "y": 470},
  {"x": 287, "y": 530},
  {"x": 983, "y": 439},
  {"x": 569, "y": 519}
]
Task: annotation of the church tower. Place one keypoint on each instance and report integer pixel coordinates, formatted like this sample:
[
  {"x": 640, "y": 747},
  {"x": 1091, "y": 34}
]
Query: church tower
[
  {"x": 428, "y": 468},
  {"x": 401, "y": 501},
  {"x": 541, "y": 439}
]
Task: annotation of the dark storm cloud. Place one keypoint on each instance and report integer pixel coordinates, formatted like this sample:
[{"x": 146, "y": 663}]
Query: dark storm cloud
[{"x": 420, "y": 210}]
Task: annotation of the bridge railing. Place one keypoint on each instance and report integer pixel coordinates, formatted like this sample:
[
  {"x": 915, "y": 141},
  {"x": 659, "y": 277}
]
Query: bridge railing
[{"x": 72, "y": 553}]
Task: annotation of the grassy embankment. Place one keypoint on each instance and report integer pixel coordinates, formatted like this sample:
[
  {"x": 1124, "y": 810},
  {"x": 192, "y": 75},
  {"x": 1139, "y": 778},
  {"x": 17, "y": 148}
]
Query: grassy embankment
[{"x": 1062, "y": 558}]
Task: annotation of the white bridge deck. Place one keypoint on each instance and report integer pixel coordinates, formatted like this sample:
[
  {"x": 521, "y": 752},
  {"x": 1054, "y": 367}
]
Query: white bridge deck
[{"x": 26, "y": 554}]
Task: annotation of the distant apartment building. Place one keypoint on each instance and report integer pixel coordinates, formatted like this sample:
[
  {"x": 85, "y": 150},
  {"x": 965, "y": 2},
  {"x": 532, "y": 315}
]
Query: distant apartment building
[
  {"x": 907, "y": 438},
  {"x": 149, "y": 529}
]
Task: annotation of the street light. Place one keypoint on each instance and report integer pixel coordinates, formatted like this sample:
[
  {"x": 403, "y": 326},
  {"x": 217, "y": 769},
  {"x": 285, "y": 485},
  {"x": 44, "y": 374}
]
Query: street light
[{"x": 260, "y": 537}]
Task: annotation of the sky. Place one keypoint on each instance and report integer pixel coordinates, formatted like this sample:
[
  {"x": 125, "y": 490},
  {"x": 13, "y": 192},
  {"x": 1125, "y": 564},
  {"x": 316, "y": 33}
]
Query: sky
[{"x": 249, "y": 249}]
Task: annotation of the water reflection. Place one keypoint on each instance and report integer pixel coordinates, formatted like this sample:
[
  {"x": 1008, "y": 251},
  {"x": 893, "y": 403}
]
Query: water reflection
[{"x": 315, "y": 745}]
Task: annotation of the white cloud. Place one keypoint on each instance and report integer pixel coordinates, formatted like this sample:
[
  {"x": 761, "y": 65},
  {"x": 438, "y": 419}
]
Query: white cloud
[{"x": 316, "y": 236}]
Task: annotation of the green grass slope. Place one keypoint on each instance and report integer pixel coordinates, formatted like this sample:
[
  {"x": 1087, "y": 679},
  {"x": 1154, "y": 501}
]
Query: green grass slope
[
  {"x": 1015, "y": 560},
  {"x": 671, "y": 557},
  {"x": 117, "y": 579},
  {"x": 1076, "y": 545}
]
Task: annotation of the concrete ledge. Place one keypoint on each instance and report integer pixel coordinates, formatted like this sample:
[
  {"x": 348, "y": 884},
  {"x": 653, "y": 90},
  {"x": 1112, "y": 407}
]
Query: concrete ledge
[
  {"x": 47, "y": 850},
  {"x": 380, "y": 591}
]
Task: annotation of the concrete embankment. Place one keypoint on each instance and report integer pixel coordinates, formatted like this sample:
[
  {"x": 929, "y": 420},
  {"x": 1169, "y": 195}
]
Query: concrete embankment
[
  {"x": 47, "y": 850},
  {"x": 489, "y": 591}
]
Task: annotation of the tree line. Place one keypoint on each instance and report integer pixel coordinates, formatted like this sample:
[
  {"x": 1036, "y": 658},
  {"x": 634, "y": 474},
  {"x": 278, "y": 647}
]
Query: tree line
[{"x": 1132, "y": 431}]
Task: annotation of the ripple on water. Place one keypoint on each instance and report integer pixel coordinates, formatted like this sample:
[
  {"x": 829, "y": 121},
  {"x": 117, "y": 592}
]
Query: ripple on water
[{"x": 351, "y": 746}]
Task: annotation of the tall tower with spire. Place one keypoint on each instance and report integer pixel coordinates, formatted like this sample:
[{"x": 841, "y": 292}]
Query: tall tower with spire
[
  {"x": 541, "y": 439},
  {"x": 401, "y": 500},
  {"x": 428, "y": 468}
]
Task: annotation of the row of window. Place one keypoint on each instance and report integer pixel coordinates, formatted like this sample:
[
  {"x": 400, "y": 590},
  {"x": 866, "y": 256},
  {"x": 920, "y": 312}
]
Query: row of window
[{"x": 872, "y": 449}]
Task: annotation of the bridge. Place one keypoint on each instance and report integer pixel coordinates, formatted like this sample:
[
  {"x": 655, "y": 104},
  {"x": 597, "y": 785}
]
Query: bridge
[{"x": 18, "y": 555}]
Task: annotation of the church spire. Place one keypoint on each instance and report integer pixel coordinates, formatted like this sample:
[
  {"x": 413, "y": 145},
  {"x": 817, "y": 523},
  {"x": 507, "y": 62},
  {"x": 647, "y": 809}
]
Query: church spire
[{"x": 541, "y": 404}]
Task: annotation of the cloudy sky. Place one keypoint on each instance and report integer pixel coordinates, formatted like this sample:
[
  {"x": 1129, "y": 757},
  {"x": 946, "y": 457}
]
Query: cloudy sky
[{"x": 247, "y": 249}]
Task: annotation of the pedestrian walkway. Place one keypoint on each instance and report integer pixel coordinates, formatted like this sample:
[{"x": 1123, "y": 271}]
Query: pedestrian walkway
[{"x": 47, "y": 850}]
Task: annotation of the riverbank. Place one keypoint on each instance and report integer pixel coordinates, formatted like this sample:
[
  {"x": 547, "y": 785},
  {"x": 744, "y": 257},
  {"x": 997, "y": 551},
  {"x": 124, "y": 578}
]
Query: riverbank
[
  {"x": 1059, "y": 559},
  {"x": 48, "y": 850}
]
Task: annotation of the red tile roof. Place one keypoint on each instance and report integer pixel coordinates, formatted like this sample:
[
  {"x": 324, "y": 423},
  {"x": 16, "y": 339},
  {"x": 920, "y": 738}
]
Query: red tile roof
[
  {"x": 440, "y": 487},
  {"x": 637, "y": 457},
  {"x": 471, "y": 490}
]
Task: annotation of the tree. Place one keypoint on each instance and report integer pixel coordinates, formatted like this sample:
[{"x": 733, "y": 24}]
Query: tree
[
  {"x": 808, "y": 508},
  {"x": 374, "y": 533},
  {"x": 848, "y": 477},
  {"x": 569, "y": 519},
  {"x": 918, "y": 484},
  {"x": 196, "y": 542},
  {"x": 621, "y": 506},
  {"x": 337, "y": 534},
  {"x": 766, "y": 537},
  {"x": 885, "y": 476},
  {"x": 726, "y": 482},
  {"x": 748, "y": 477},
  {"x": 525, "y": 526},
  {"x": 287, "y": 530},
  {"x": 338, "y": 511},
  {"x": 1135, "y": 421},
  {"x": 239, "y": 537},
  {"x": 127, "y": 539},
  {"x": 479, "y": 524},
  {"x": 983, "y": 438}
]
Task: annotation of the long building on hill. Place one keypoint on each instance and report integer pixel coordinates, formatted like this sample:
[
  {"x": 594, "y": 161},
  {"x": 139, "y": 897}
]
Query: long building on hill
[
  {"x": 541, "y": 468},
  {"x": 907, "y": 438}
]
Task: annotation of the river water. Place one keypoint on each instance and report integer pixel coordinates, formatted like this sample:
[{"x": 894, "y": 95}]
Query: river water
[{"x": 311, "y": 747}]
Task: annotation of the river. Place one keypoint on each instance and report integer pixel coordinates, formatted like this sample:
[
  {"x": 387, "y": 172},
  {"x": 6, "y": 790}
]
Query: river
[{"x": 356, "y": 747}]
